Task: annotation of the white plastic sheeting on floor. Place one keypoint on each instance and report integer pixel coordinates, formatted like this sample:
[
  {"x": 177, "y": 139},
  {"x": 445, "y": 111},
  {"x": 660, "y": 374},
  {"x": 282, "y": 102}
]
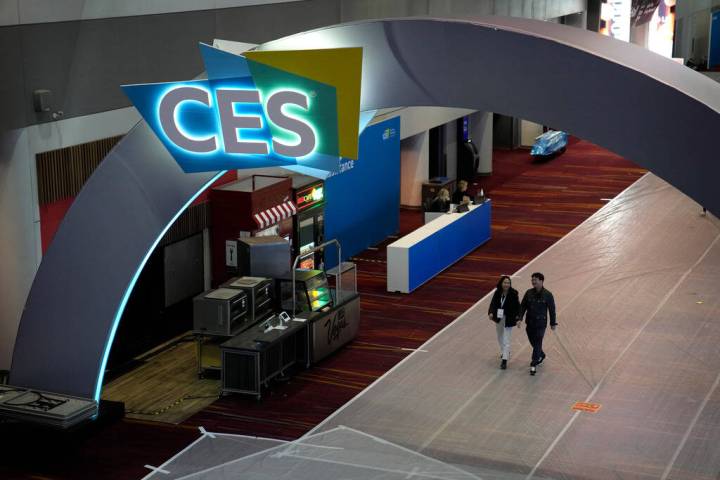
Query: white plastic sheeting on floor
[
  {"x": 339, "y": 453},
  {"x": 638, "y": 293},
  {"x": 637, "y": 288}
]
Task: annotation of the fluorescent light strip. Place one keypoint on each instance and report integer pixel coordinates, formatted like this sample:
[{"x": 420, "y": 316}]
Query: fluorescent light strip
[{"x": 126, "y": 296}]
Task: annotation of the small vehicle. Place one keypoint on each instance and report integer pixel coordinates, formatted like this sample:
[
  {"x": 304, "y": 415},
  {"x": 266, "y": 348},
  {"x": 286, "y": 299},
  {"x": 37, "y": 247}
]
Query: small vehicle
[{"x": 549, "y": 144}]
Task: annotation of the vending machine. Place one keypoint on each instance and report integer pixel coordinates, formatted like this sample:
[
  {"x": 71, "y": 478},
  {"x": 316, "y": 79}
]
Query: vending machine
[{"x": 308, "y": 224}]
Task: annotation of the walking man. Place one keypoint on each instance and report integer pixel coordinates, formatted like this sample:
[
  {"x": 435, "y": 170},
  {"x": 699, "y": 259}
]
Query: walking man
[{"x": 537, "y": 302}]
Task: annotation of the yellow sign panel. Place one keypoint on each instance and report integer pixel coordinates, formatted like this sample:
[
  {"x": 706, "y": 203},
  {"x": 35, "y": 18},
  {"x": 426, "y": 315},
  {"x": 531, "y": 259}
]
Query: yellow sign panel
[{"x": 339, "y": 67}]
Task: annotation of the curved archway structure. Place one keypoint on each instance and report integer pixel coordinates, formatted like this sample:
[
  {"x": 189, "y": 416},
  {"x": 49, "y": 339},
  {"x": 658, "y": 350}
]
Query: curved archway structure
[{"x": 644, "y": 107}]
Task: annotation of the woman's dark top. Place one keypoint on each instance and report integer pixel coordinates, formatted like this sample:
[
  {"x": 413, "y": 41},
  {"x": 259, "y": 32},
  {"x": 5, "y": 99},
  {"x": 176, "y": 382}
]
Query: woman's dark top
[
  {"x": 439, "y": 205},
  {"x": 511, "y": 306}
]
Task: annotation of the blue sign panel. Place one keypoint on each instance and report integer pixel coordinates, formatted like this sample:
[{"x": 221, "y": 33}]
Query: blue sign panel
[
  {"x": 714, "y": 49},
  {"x": 363, "y": 204}
]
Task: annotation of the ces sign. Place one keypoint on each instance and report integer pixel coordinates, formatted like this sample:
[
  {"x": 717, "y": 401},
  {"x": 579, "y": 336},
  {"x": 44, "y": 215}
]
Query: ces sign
[
  {"x": 233, "y": 118},
  {"x": 295, "y": 109}
]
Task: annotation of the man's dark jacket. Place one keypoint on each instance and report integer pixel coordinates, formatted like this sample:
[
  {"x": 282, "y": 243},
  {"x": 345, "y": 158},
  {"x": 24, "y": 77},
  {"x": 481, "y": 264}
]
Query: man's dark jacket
[{"x": 536, "y": 305}]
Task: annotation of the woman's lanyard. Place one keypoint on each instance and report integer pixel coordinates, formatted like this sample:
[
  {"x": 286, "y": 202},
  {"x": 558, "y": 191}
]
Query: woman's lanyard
[{"x": 502, "y": 300}]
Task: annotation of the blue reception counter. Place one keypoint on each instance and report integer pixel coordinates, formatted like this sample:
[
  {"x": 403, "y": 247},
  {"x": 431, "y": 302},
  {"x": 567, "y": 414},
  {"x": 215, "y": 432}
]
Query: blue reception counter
[{"x": 419, "y": 256}]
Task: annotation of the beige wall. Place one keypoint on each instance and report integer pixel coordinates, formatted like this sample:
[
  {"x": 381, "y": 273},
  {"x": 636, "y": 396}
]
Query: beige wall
[
  {"x": 528, "y": 132},
  {"x": 414, "y": 168}
]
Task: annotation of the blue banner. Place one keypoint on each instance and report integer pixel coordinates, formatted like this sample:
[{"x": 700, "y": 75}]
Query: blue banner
[
  {"x": 363, "y": 204},
  {"x": 714, "y": 49}
]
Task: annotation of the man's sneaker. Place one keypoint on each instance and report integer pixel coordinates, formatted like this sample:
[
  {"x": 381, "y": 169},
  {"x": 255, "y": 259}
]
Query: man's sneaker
[
  {"x": 533, "y": 370},
  {"x": 503, "y": 364},
  {"x": 541, "y": 359}
]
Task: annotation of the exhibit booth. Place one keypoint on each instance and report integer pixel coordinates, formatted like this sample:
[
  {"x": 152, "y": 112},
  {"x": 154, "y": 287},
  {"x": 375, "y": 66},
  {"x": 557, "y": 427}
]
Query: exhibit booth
[{"x": 268, "y": 324}]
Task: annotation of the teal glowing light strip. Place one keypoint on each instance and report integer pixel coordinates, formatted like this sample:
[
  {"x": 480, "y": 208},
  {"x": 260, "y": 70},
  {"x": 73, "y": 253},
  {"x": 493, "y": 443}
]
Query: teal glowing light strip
[{"x": 126, "y": 296}]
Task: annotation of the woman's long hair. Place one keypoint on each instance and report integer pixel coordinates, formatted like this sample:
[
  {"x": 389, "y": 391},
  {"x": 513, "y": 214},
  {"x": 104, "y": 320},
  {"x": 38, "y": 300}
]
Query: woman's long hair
[{"x": 498, "y": 288}]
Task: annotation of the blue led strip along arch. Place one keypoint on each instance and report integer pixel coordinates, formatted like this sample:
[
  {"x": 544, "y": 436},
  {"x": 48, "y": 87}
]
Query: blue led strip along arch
[
  {"x": 649, "y": 109},
  {"x": 134, "y": 279},
  {"x": 90, "y": 268}
]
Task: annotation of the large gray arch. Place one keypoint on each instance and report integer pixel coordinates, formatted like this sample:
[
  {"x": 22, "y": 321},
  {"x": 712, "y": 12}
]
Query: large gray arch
[{"x": 649, "y": 109}]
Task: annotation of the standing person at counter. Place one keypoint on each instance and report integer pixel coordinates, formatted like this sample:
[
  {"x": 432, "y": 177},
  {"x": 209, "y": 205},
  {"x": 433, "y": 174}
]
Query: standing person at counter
[
  {"x": 504, "y": 309},
  {"x": 537, "y": 302},
  {"x": 461, "y": 195},
  {"x": 441, "y": 203}
]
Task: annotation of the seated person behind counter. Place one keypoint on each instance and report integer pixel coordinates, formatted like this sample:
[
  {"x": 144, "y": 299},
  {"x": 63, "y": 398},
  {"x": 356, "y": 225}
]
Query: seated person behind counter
[
  {"x": 441, "y": 203},
  {"x": 461, "y": 195}
]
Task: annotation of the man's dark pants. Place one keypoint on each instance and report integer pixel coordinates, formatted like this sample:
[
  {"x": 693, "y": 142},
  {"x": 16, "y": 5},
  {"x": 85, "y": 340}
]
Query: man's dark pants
[{"x": 535, "y": 335}]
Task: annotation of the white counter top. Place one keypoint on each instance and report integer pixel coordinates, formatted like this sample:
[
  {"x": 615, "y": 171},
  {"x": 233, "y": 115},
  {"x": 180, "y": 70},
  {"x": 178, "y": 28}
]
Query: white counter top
[
  {"x": 417, "y": 257},
  {"x": 429, "y": 228}
]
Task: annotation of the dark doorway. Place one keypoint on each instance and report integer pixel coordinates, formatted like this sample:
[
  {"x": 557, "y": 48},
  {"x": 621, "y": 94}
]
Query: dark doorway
[
  {"x": 437, "y": 154},
  {"x": 160, "y": 305}
]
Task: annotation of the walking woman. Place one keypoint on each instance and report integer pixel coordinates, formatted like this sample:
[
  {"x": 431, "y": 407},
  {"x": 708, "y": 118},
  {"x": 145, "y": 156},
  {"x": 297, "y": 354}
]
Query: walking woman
[{"x": 504, "y": 310}]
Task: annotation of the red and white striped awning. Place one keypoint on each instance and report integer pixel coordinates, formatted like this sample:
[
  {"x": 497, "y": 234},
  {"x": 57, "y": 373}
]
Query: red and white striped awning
[{"x": 273, "y": 215}]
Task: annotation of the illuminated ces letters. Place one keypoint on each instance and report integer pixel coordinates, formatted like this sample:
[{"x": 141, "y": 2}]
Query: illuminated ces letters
[
  {"x": 232, "y": 122},
  {"x": 298, "y": 109}
]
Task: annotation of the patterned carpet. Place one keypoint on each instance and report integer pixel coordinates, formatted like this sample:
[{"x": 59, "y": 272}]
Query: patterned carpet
[{"x": 534, "y": 204}]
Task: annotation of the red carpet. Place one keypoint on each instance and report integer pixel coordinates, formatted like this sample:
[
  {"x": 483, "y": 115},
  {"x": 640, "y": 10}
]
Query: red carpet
[{"x": 533, "y": 206}]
